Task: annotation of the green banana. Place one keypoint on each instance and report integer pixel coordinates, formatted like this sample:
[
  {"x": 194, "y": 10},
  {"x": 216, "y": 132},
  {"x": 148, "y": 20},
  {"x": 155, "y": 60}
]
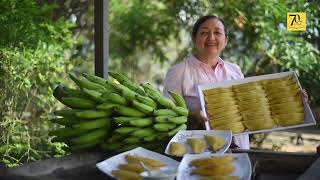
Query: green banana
[
  {"x": 63, "y": 91},
  {"x": 151, "y": 138},
  {"x": 146, "y": 100},
  {"x": 178, "y": 120},
  {"x": 140, "y": 133},
  {"x": 94, "y": 124},
  {"x": 110, "y": 146},
  {"x": 180, "y": 110},
  {"x": 127, "y": 111},
  {"x": 166, "y": 102},
  {"x": 116, "y": 137},
  {"x": 66, "y": 112},
  {"x": 175, "y": 130},
  {"x": 178, "y": 99},
  {"x": 90, "y": 136},
  {"x": 141, "y": 122},
  {"x": 131, "y": 140},
  {"x": 115, "y": 98},
  {"x": 162, "y": 119},
  {"x": 106, "y": 106},
  {"x": 66, "y": 121},
  {"x": 151, "y": 91},
  {"x": 94, "y": 95},
  {"x": 164, "y": 126},
  {"x": 126, "y": 92},
  {"x": 142, "y": 107},
  {"x": 164, "y": 112},
  {"x": 92, "y": 114},
  {"x": 99, "y": 80},
  {"x": 67, "y": 132},
  {"x": 125, "y": 120},
  {"x": 83, "y": 83},
  {"x": 136, "y": 88},
  {"x": 119, "y": 77},
  {"x": 127, "y": 147},
  {"x": 125, "y": 130},
  {"x": 83, "y": 146},
  {"x": 78, "y": 103}
]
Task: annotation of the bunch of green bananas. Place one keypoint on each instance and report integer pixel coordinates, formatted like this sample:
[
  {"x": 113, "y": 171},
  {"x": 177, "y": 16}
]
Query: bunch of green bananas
[{"x": 116, "y": 115}]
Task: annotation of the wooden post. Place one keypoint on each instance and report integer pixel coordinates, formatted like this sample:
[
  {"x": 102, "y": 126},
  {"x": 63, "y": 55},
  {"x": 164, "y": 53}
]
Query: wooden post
[{"x": 101, "y": 37}]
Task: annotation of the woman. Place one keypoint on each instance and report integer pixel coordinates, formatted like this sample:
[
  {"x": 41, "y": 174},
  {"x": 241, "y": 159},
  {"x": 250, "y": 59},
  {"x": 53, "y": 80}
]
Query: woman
[{"x": 210, "y": 37}]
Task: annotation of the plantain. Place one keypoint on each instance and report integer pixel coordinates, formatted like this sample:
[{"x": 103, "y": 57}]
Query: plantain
[
  {"x": 92, "y": 114},
  {"x": 164, "y": 126},
  {"x": 227, "y": 94},
  {"x": 179, "y": 101},
  {"x": 94, "y": 124},
  {"x": 94, "y": 95},
  {"x": 83, "y": 83},
  {"x": 146, "y": 161},
  {"x": 224, "y": 114},
  {"x": 164, "y": 112},
  {"x": 131, "y": 167},
  {"x": 212, "y": 170},
  {"x": 107, "y": 106},
  {"x": 140, "y": 133},
  {"x": 288, "y": 111},
  {"x": 221, "y": 104},
  {"x": 132, "y": 140},
  {"x": 115, "y": 98},
  {"x": 221, "y": 121},
  {"x": 90, "y": 136},
  {"x": 178, "y": 120},
  {"x": 66, "y": 121},
  {"x": 289, "y": 119},
  {"x": 161, "y": 119},
  {"x": 78, "y": 103},
  {"x": 222, "y": 110},
  {"x": 66, "y": 112},
  {"x": 127, "y": 111},
  {"x": 67, "y": 132},
  {"x": 143, "y": 122},
  {"x": 146, "y": 100},
  {"x": 110, "y": 146},
  {"x": 177, "y": 149},
  {"x": 142, "y": 107},
  {"x": 198, "y": 145},
  {"x": 125, "y": 130},
  {"x": 214, "y": 142},
  {"x": 125, "y": 120},
  {"x": 259, "y": 123},
  {"x": 219, "y": 100}
]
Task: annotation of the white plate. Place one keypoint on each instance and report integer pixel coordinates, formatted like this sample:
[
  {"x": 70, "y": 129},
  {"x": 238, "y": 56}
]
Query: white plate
[
  {"x": 308, "y": 116},
  {"x": 242, "y": 164},
  {"x": 108, "y": 165},
  {"x": 183, "y": 135}
]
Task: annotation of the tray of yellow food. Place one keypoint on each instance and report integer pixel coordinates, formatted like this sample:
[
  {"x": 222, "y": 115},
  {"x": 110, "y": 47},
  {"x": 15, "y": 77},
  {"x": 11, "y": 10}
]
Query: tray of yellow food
[
  {"x": 127, "y": 165},
  {"x": 199, "y": 141},
  {"x": 235, "y": 166},
  {"x": 256, "y": 104}
]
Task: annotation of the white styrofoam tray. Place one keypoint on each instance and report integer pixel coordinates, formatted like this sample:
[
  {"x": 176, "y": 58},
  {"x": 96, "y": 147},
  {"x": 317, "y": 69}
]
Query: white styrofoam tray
[
  {"x": 183, "y": 135},
  {"x": 308, "y": 116},
  {"x": 112, "y": 163},
  {"x": 241, "y": 163}
]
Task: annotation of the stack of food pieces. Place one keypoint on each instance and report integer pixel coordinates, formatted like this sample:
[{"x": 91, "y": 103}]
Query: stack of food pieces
[
  {"x": 116, "y": 115},
  {"x": 198, "y": 145},
  {"x": 133, "y": 167},
  {"x": 253, "y": 105},
  {"x": 223, "y": 109},
  {"x": 285, "y": 101},
  {"x": 215, "y": 167}
]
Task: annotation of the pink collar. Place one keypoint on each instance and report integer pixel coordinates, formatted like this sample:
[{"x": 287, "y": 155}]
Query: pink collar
[{"x": 196, "y": 62}]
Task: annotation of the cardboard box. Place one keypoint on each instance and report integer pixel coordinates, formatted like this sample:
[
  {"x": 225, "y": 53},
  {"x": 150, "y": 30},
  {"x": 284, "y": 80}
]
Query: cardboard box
[{"x": 308, "y": 116}]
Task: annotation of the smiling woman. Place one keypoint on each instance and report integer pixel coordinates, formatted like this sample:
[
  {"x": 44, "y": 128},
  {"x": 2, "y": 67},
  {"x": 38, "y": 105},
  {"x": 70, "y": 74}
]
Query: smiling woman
[{"x": 210, "y": 37}]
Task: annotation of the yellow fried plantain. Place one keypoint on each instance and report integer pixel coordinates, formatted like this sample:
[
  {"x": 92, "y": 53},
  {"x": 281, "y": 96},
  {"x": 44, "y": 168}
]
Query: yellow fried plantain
[
  {"x": 216, "y": 91},
  {"x": 223, "y": 109},
  {"x": 221, "y": 121},
  {"x": 286, "y": 106},
  {"x": 221, "y": 104},
  {"x": 214, "y": 142},
  {"x": 197, "y": 145},
  {"x": 219, "y": 95},
  {"x": 253, "y": 100},
  {"x": 177, "y": 149},
  {"x": 236, "y": 127},
  {"x": 289, "y": 119},
  {"x": 126, "y": 175},
  {"x": 218, "y": 100},
  {"x": 260, "y": 105},
  {"x": 259, "y": 124},
  {"x": 147, "y": 161},
  {"x": 224, "y": 114},
  {"x": 131, "y": 167},
  {"x": 213, "y": 170},
  {"x": 285, "y": 100},
  {"x": 287, "y": 111},
  {"x": 213, "y": 160}
]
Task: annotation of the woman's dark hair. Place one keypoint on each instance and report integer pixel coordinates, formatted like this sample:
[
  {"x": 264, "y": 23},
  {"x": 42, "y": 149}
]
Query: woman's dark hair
[{"x": 203, "y": 19}]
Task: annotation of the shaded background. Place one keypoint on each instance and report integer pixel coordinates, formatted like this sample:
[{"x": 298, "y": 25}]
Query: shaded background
[{"x": 41, "y": 41}]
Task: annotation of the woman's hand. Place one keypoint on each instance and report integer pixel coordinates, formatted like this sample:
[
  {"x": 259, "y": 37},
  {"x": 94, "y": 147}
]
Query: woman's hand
[
  {"x": 305, "y": 95},
  {"x": 196, "y": 120}
]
